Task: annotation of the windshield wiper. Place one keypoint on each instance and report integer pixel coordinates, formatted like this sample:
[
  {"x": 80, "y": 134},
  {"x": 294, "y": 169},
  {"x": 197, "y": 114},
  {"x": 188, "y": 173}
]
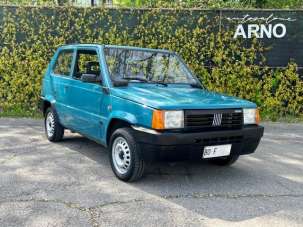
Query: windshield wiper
[
  {"x": 196, "y": 85},
  {"x": 135, "y": 78},
  {"x": 145, "y": 80},
  {"x": 160, "y": 82}
]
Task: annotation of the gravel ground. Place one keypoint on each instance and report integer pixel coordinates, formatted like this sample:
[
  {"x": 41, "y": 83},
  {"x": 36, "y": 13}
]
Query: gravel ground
[{"x": 71, "y": 184}]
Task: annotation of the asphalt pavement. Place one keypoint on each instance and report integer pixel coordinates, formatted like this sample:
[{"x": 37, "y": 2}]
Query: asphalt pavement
[{"x": 70, "y": 183}]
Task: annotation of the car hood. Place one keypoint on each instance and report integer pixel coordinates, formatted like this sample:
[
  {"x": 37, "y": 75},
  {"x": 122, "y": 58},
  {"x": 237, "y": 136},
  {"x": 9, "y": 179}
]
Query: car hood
[{"x": 178, "y": 97}]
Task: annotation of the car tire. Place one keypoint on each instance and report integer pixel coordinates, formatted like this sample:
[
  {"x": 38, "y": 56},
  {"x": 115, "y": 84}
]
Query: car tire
[
  {"x": 225, "y": 161},
  {"x": 125, "y": 155},
  {"x": 53, "y": 129}
]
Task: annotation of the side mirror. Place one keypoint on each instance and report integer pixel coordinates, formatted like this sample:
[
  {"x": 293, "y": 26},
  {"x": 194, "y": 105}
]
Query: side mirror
[{"x": 90, "y": 78}]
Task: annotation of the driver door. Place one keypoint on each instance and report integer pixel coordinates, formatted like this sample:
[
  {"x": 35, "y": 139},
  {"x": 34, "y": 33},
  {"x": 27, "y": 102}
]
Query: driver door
[{"x": 86, "y": 98}]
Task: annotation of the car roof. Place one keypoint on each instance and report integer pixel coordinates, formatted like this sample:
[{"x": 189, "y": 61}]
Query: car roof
[
  {"x": 67, "y": 46},
  {"x": 77, "y": 45}
]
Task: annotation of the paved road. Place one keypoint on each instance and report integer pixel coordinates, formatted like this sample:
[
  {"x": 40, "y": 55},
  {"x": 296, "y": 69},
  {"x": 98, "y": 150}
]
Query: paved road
[{"x": 71, "y": 184}]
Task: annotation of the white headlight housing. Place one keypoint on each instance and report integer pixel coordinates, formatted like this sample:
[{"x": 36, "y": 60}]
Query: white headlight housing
[
  {"x": 251, "y": 116},
  {"x": 167, "y": 119},
  {"x": 173, "y": 119}
]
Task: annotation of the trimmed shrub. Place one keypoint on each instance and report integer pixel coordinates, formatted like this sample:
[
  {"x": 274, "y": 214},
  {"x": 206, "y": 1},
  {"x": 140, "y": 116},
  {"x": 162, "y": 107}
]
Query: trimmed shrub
[{"x": 30, "y": 35}]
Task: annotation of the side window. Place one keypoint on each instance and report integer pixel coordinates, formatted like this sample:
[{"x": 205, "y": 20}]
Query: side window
[
  {"x": 87, "y": 62},
  {"x": 63, "y": 63}
]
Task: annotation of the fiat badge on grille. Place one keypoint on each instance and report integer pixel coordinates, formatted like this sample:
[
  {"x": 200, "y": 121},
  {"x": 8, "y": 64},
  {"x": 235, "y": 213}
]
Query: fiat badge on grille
[{"x": 217, "y": 119}]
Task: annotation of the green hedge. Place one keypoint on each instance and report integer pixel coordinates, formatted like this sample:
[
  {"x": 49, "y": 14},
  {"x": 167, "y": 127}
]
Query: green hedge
[{"x": 30, "y": 35}]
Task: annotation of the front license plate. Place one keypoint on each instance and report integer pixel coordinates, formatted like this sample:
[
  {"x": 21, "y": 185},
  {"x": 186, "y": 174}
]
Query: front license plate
[{"x": 216, "y": 151}]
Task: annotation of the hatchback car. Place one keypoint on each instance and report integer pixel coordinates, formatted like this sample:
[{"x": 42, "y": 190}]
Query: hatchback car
[{"x": 143, "y": 104}]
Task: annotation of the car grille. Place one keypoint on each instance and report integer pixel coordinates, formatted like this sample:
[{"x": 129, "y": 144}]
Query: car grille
[{"x": 213, "y": 119}]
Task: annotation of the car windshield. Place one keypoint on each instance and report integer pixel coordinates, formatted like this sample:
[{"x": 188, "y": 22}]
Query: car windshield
[{"x": 147, "y": 66}]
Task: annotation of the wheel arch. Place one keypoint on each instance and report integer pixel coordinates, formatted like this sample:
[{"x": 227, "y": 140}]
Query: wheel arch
[
  {"x": 114, "y": 124},
  {"x": 45, "y": 103}
]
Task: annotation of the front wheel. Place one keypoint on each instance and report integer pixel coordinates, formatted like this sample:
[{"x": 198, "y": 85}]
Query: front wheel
[
  {"x": 225, "y": 161},
  {"x": 125, "y": 155}
]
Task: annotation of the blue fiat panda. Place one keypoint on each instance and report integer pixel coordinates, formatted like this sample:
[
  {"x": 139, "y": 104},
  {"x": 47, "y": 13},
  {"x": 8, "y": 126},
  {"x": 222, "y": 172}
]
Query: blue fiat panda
[{"x": 143, "y": 104}]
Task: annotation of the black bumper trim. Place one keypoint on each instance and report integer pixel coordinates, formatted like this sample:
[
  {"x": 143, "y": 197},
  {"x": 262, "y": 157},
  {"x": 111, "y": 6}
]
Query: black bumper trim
[
  {"x": 173, "y": 138},
  {"x": 244, "y": 141}
]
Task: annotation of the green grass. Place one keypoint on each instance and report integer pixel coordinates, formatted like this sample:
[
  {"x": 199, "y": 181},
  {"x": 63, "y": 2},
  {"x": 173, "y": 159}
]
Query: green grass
[
  {"x": 275, "y": 117},
  {"x": 18, "y": 113},
  {"x": 286, "y": 119}
]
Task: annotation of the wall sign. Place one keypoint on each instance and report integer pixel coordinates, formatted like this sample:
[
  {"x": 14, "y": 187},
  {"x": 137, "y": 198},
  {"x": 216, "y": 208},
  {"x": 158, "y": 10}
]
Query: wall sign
[{"x": 260, "y": 27}]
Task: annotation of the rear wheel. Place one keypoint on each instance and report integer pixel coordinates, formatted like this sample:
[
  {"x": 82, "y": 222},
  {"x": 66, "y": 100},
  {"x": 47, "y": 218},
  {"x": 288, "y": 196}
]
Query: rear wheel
[
  {"x": 125, "y": 155},
  {"x": 53, "y": 129},
  {"x": 225, "y": 161}
]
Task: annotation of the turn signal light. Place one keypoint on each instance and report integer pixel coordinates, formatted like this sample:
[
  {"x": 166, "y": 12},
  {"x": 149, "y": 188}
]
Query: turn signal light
[
  {"x": 258, "y": 118},
  {"x": 158, "y": 119}
]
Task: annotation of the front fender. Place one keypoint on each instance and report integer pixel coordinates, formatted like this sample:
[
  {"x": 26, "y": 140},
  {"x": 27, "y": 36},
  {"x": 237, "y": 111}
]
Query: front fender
[
  {"x": 128, "y": 111},
  {"x": 124, "y": 116},
  {"x": 117, "y": 115},
  {"x": 132, "y": 112}
]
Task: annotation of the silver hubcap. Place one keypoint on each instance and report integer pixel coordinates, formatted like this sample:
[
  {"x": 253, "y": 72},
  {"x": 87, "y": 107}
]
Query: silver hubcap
[
  {"x": 121, "y": 155},
  {"x": 50, "y": 124}
]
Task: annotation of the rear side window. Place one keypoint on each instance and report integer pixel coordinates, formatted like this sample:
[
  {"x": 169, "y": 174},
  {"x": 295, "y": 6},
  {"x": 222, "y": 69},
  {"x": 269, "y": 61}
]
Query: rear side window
[{"x": 63, "y": 63}]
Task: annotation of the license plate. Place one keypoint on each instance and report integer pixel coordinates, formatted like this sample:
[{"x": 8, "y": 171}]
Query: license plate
[{"x": 216, "y": 151}]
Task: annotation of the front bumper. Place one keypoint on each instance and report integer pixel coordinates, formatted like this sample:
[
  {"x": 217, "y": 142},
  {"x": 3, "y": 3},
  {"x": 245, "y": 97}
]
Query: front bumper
[{"x": 244, "y": 141}]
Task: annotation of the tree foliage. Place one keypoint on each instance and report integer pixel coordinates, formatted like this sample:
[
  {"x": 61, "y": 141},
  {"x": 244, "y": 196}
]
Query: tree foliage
[{"x": 279, "y": 4}]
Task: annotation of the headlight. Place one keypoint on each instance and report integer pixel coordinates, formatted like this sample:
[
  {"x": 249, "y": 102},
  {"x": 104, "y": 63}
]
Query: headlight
[
  {"x": 168, "y": 119},
  {"x": 251, "y": 116}
]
